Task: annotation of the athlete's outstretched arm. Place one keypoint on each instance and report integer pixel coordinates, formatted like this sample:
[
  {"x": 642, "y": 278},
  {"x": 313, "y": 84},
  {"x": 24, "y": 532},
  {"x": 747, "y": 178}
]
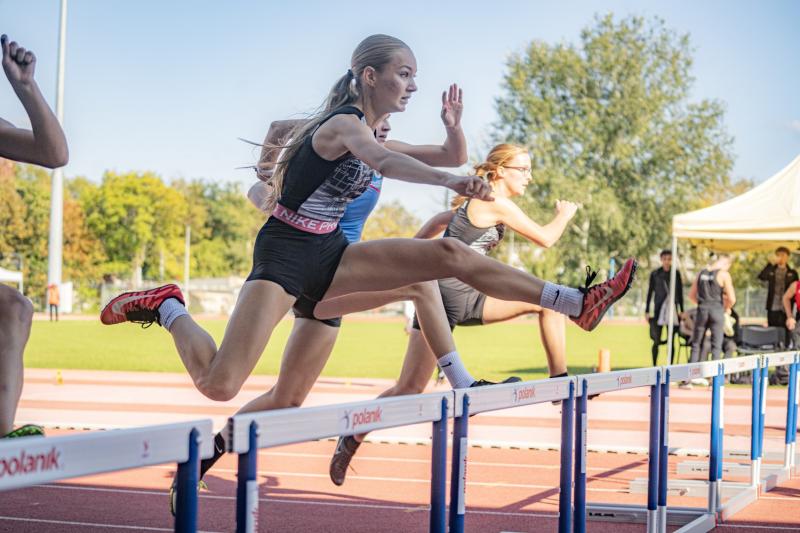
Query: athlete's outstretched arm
[
  {"x": 355, "y": 137},
  {"x": 453, "y": 151},
  {"x": 435, "y": 226},
  {"x": 45, "y": 144},
  {"x": 546, "y": 236}
]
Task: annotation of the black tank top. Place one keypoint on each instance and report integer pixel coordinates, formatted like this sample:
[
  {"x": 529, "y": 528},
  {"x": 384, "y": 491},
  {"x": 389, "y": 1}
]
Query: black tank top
[
  {"x": 709, "y": 292},
  {"x": 320, "y": 189},
  {"x": 482, "y": 240}
]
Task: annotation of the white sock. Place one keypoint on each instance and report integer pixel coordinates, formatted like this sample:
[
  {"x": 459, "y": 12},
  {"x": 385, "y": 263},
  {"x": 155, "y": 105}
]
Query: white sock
[
  {"x": 169, "y": 310},
  {"x": 562, "y": 299},
  {"x": 455, "y": 371}
]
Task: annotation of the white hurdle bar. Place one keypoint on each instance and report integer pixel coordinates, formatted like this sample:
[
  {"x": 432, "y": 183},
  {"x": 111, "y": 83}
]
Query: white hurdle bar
[
  {"x": 476, "y": 400},
  {"x": 593, "y": 384},
  {"x": 32, "y": 461},
  {"x": 249, "y": 432}
]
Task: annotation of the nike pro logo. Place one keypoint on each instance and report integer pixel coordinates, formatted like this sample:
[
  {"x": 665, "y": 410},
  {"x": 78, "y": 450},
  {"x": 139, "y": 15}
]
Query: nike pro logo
[
  {"x": 607, "y": 296},
  {"x": 558, "y": 293},
  {"x": 117, "y": 307},
  {"x": 448, "y": 364}
]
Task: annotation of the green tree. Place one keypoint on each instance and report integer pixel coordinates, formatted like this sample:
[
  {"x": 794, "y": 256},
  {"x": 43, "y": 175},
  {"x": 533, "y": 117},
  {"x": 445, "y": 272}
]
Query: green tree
[
  {"x": 389, "y": 221},
  {"x": 133, "y": 214},
  {"x": 609, "y": 124},
  {"x": 224, "y": 226}
]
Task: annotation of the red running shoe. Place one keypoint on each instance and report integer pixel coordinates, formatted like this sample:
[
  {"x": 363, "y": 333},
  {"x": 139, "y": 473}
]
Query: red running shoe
[
  {"x": 140, "y": 307},
  {"x": 598, "y": 299}
]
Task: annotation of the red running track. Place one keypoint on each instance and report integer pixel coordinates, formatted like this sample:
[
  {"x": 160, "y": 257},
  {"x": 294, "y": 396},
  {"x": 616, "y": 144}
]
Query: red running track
[{"x": 508, "y": 491}]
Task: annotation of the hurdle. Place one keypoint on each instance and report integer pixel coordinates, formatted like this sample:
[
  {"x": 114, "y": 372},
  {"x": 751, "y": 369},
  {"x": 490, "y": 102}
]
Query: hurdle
[
  {"x": 740, "y": 494},
  {"x": 472, "y": 401},
  {"x": 593, "y": 384},
  {"x": 35, "y": 460},
  {"x": 249, "y": 432}
]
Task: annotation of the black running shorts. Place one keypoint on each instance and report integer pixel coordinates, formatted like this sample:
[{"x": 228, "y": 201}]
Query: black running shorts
[
  {"x": 302, "y": 263},
  {"x": 304, "y": 308},
  {"x": 462, "y": 304}
]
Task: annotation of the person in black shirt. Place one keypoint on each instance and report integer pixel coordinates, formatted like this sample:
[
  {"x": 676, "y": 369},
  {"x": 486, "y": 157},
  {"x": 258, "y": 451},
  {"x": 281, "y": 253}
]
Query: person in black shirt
[
  {"x": 659, "y": 288},
  {"x": 713, "y": 293},
  {"x": 779, "y": 276}
]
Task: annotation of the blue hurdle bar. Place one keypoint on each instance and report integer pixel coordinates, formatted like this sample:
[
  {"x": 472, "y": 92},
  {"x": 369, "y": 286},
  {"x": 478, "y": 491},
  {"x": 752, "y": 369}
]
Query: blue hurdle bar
[
  {"x": 247, "y": 486},
  {"x": 791, "y": 413},
  {"x": 653, "y": 457},
  {"x": 713, "y": 449},
  {"x": 755, "y": 423},
  {"x": 581, "y": 406},
  {"x": 763, "y": 412},
  {"x": 438, "y": 517},
  {"x": 188, "y": 474},
  {"x": 458, "y": 474},
  {"x": 663, "y": 455},
  {"x": 796, "y": 403},
  {"x": 565, "y": 493}
]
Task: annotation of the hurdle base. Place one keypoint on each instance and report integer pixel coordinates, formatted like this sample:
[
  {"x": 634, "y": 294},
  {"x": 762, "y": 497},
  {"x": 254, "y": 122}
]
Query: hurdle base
[
  {"x": 771, "y": 455},
  {"x": 701, "y": 524},
  {"x": 774, "y": 476},
  {"x": 729, "y": 469},
  {"x": 607, "y": 512},
  {"x": 737, "y": 503},
  {"x": 691, "y": 488}
]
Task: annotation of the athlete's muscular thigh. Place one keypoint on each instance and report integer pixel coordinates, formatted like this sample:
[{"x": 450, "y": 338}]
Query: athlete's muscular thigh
[{"x": 392, "y": 263}]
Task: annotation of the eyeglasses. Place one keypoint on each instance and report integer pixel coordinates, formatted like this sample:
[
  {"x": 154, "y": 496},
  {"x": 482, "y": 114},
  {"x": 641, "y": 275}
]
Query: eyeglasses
[{"x": 526, "y": 170}]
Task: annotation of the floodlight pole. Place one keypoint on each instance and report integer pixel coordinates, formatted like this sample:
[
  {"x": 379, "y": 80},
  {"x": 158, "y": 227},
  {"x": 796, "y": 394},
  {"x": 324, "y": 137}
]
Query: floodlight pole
[
  {"x": 186, "y": 257},
  {"x": 55, "y": 245}
]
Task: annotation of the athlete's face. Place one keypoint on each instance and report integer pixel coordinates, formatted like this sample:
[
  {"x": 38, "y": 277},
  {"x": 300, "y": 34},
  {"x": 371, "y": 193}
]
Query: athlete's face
[
  {"x": 382, "y": 130},
  {"x": 394, "y": 84},
  {"x": 516, "y": 174}
]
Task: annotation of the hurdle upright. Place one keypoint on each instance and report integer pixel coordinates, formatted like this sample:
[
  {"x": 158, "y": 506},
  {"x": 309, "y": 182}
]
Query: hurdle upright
[{"x": 249, "y": 432}]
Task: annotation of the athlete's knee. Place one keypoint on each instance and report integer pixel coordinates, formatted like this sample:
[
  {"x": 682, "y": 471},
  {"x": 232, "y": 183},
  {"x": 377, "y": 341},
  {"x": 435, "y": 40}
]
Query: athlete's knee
[
  {"x": 423, "y": 290},
  {"x": 454, "y": 252},
  {"x": 219, "y": 390},
  {"x": 15, "y": 308}
]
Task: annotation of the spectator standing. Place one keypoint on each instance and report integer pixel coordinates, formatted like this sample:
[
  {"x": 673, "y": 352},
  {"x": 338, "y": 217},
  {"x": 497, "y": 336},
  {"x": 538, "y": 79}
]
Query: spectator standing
[
  {"x": 713, "y": 293},
  {"x": 53, "y": 300},
  {"x": 779, "y": 276},
  {"x": 792, "y": 296},
  {"x": 658, "y": 291}
]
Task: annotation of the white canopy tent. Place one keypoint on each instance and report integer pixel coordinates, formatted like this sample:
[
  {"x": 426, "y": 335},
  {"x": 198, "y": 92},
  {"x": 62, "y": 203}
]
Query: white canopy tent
[
  {"x": 7, "y": 276},
  {"x": 763, "y": 218}
]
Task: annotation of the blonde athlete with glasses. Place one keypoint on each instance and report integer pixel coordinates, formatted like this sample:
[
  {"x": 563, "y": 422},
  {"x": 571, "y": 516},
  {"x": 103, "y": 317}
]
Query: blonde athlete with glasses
[{"x": 481, "y": 226}]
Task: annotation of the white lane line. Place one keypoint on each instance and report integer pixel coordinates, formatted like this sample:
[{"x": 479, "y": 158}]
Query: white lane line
[
  {"x": 87, "y": 524},
  {"x": 747, "y": 526},
  {"x": 304, "y": 502},
  {"x": 267, "y": 454}
]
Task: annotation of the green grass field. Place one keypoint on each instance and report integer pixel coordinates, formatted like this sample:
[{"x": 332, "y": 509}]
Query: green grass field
[{"x": 364, "y": 349}]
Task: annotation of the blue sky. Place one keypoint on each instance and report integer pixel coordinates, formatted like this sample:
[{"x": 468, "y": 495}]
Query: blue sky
[{"x": 169, "y": 86}]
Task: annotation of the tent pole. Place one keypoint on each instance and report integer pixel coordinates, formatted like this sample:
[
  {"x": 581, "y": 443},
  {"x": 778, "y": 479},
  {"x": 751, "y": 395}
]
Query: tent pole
[{"x": 671, "y": 309}]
